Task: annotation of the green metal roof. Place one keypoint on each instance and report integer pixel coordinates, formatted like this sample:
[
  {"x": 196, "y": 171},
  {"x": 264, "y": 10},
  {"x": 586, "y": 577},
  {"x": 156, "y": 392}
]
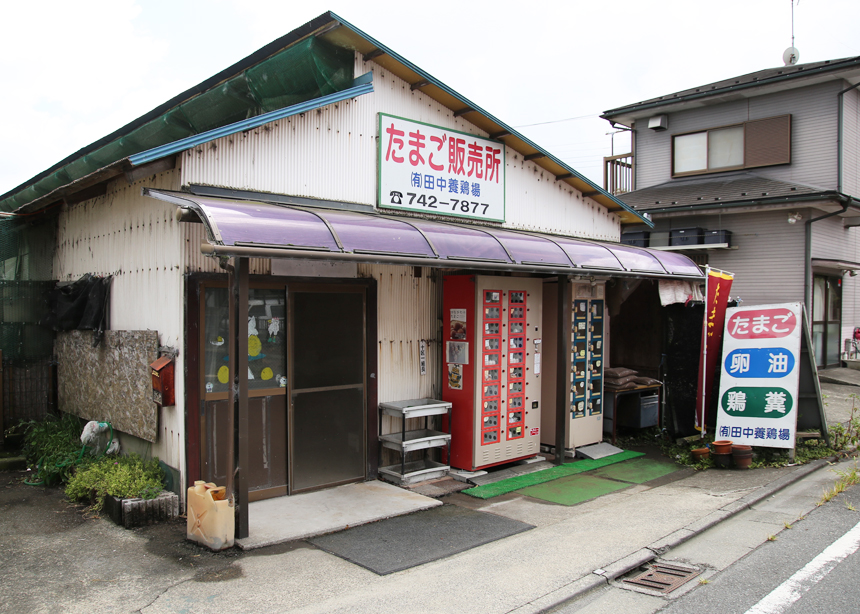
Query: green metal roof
[
  {"x": 309, "y": 69},
  {"x": 313, "y": 61}
]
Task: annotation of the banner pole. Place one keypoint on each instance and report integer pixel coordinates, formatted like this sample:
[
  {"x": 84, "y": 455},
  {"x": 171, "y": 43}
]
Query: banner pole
[{"x": 702, "y": 426}]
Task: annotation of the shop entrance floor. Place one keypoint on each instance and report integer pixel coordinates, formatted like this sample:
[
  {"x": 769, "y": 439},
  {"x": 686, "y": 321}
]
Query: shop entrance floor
[{"x": 283, "y": 519}]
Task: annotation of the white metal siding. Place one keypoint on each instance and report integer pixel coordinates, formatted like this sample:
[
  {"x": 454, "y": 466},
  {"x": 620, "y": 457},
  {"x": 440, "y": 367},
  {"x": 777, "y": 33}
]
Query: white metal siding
[
  {"x": 331, "y": 153},
  {"x": 813, "y": 112},
  {"x": 832, "y": 241},
  {"x": 851, "y": 143},
  {"x": 768, "y": 261},
  {"x": 137, "y": 240},
  {"x": 408, "y": 312}
]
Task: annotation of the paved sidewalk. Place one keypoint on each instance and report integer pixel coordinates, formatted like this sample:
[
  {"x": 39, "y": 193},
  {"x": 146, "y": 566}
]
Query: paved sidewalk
[
  {"x": 57, "y": 560},
  {"x": 92, "y": 566}
]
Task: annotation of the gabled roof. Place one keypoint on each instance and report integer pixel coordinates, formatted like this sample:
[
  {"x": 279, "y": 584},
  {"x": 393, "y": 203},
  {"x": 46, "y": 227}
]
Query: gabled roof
[
  {"x": 233, "y": 97},
  {"x": 752, "y": 84},
  {"x": 730, "y": 189}
]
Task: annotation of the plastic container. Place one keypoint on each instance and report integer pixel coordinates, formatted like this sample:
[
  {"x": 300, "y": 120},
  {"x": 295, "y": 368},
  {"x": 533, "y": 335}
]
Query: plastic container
[
  {"x": 638, "y": 238},
  {"x": 211, "y": 522},
  {"x": 685, "y": 236}
]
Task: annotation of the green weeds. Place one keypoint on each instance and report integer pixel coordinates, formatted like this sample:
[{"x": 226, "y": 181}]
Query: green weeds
[
  {"x": 53, "y": 446},
  {"x": 118, "y": 476}
]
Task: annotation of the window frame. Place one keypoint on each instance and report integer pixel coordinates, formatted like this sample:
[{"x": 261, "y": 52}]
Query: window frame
[
  {"x": 708, "y": 171},
  {"x": 724, "y": 169}
]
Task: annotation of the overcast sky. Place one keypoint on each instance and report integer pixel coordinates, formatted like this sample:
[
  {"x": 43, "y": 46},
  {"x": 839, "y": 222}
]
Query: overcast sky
[{"x": 73, "y": 72}]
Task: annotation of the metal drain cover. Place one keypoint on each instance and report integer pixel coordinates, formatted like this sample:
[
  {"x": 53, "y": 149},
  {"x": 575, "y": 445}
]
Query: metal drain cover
[{"x": 663, "y": 577}]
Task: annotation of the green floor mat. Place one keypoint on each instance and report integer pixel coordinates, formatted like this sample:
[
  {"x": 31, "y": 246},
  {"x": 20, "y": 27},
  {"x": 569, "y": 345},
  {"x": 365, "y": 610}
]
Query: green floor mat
[
  {"x": 502, "y": 487},
  {"x": 574, "y": 489},
  {"x": 637, "y": 471}
]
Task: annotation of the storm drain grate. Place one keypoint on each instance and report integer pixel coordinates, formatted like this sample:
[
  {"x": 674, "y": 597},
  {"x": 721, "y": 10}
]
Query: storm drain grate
[{"x": 663, "y": 578}]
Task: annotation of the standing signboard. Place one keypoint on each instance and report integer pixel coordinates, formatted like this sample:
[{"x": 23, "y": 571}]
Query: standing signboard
[
  {"x": 430, "y": 169},
  {"x": 758, "y": 402}
]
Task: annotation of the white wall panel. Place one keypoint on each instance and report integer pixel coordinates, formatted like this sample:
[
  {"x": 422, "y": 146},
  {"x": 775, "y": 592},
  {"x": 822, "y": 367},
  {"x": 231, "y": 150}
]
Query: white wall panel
[
  {"x": 768, "y": 259},
  {"x": 138, "y": 241},
  {"x": 851, "y": 143},
  {"x": 832, "y": 241},
  {"x": 408, "y": 312},
  {"x": 331, "y": 153}
]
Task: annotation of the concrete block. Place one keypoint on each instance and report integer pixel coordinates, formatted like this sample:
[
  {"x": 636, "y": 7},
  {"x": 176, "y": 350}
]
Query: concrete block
[{"x": 137, "y": 512}]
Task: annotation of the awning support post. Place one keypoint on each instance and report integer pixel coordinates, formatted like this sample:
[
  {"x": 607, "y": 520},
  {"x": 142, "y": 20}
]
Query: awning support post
[
  {"x": 238, "y": 281},
  {"x": 563, "y": 367}
]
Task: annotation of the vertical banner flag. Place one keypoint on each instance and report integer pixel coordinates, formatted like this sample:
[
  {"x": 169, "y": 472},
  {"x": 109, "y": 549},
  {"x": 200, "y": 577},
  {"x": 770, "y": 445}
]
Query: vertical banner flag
[
  {"x": 760, "y": 375},
  {"x": 718, "y": 285}
]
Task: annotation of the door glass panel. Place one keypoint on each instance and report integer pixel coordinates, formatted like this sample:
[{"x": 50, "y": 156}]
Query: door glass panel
[
  {"x": 331, "y": 446},
  {"x": 834, "y": 300},
  {"x": 819, "y": 290},
  {"x": 267, "y": 335},
  {"x": 328, "y": 406},
  {"x": 216, "y": 329},
  {"x": 833, "y": 331},
  {"x": 266, "y": 339},
  {"x": 818, "y": 343},
  {"x": 329, "y": 337}
]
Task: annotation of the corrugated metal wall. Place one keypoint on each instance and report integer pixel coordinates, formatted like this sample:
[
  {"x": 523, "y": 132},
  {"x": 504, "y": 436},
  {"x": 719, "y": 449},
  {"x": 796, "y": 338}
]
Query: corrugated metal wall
[
  {"x": 408, "y": 313},
  {"x": 193, "y": 261},
  {"x": 138, "y": 241},
  {"x": 813, "y": 112},
  {"x": 331, "y": 153}
]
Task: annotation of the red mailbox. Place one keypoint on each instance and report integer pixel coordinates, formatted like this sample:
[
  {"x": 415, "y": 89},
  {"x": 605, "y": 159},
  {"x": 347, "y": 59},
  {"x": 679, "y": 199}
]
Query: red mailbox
[{"x": 162, "y": 381}]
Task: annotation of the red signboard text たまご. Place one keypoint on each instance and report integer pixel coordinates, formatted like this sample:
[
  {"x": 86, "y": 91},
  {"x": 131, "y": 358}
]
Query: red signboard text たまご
[{"x": 761, "y": 324}]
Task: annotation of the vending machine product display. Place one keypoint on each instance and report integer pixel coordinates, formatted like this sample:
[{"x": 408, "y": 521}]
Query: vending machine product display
[
  {"x": 492, "y": 334},
  {"x": 588, "y": 346}
]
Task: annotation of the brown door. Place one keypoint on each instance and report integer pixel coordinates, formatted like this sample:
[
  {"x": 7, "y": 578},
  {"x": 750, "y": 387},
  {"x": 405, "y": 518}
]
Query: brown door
[{"x": 327, "y": 413}]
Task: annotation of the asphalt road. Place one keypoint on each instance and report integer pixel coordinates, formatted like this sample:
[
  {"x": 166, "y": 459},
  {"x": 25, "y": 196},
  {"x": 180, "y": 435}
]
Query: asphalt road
[{"x": 786, "y": 556}]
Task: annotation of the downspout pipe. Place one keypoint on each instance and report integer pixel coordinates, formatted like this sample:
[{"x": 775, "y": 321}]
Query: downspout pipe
[
  {"x": 839, "y": 127},
  {"x": 845, "y": 201}
]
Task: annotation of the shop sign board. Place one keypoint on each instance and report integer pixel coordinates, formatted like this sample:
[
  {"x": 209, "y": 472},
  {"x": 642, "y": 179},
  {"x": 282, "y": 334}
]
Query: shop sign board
[
  {"x": 758, "y": 400},
  {"x": 430, "y": 169}
]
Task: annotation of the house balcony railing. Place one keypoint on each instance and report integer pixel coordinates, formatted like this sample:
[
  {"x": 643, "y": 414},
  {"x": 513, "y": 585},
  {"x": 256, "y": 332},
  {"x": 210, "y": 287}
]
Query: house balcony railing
[{"x": 618, "y": 173}]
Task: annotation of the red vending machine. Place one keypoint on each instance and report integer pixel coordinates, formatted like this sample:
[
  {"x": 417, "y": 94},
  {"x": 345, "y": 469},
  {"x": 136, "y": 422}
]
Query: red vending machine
[{"x": 492, "y": 357}]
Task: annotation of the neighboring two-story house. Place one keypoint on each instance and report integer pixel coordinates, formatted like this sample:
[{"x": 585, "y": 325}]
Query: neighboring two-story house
[{"x": 758, "y": 175}]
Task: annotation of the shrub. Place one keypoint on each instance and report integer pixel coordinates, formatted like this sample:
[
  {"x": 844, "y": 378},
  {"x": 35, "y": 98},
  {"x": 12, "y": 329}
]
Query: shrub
[
  {"x": 54, "y": 446},
  {"x": 119, "y": 476}
]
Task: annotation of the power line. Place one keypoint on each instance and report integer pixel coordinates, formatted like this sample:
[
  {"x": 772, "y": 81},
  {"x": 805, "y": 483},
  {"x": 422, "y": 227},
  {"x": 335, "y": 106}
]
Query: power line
[{"x": 558, "y": 121}]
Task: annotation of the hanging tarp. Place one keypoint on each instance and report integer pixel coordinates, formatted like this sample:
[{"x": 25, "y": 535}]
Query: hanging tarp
[{"x": 81, "y": 305}]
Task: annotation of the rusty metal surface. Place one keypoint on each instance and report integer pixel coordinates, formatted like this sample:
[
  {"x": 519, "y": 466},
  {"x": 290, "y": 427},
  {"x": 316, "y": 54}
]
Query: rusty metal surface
[
  {"x": 110, "y": 382},
  {"x": 663, "y": 578}
]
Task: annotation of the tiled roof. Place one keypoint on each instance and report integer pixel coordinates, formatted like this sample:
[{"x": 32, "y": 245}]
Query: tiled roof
[{"x": 700, "y": 191}]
